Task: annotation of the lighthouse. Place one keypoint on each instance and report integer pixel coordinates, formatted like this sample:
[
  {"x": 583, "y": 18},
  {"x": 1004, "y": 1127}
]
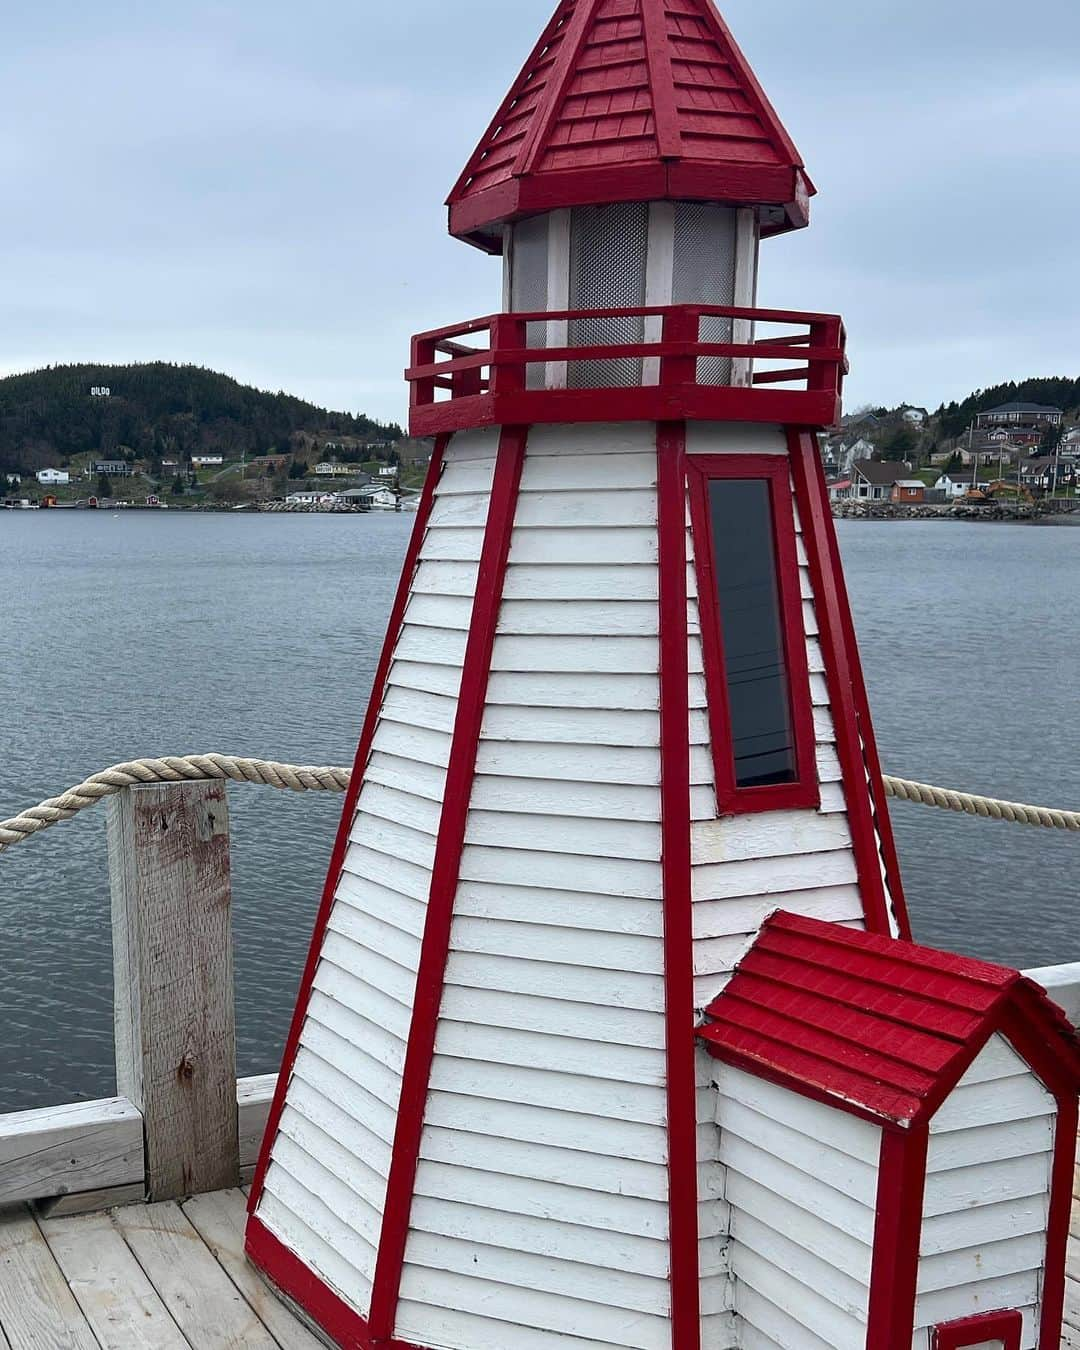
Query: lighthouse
[{"x": 573, "y": 1066}]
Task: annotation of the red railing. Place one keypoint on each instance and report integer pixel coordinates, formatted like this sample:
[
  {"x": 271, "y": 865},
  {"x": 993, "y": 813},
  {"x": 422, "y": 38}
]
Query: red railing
[{"x": 792, "y": 378}]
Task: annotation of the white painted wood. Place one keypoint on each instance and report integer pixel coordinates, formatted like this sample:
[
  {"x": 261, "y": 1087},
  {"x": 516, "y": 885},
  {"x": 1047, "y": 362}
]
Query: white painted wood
[
  {"x": 774, "y": 876},
  {"x": 119, "y": 1303},
  {"x": 801, "y": 1180},
  {"x": 987, "y": 1197},
  {"x": 37, "y": 1309},
  {"x": 173, "y": 980},
  {"x": 579, "y": 1054},
  {"x": 219, "y": 1220},
  {"x": 459, "y": 544},
  {"x": 566, "y": 909},
  {"x": 296, "y": 1213},
  {"x": 566, "y": 872},
  {"x": 524, "y": 1307},
  {"x": 772, "y": 834},
  {"x": 635, "y": 693},
  {"x": 545, "y": 1125},
  {"x": 547, "y": 797},
  {"x": 730, "y": 917},
  {"x": 573, "y": 473},
  {"x": 558, "y": 763},
  {"x": 611, "y": 1288},
  {"x": 466, "y": 446},
  {"x": 584, "y": 545},
  {"x": 626, "y": 507},
  {"x": 741, "y": 438},
  {"x": 554, "y": 1016},
  {"x": 60, "y": 1149}
]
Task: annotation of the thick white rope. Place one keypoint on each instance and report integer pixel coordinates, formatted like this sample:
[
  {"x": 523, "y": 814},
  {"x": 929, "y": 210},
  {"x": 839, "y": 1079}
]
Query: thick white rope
[
  {"x": 173, "y": 769},
  {"x": 293, "y": 778}
]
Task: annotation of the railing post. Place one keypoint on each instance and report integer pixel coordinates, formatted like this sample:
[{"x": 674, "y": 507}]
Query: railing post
[
  {"x": 507, "y": 334},
  {"x": 422, "y": 391},
  {"x": 681, "y": 325},
  {"x": 173, "y": 974}
]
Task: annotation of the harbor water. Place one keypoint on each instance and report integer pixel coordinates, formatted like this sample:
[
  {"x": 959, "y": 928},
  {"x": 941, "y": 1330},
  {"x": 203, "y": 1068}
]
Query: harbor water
[{"x": 144, "y": 634}]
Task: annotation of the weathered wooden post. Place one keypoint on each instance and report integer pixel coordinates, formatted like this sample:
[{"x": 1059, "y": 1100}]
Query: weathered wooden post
[{"x": 173, "y": 971}]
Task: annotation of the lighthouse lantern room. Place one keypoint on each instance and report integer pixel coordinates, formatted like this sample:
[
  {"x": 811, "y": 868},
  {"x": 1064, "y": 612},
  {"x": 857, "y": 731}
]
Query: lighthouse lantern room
[{"x": 532, "y": 1097}]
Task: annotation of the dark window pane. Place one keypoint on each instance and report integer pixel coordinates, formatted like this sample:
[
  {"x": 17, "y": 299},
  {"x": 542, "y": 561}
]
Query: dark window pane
[{"x": 757, "y": 676}]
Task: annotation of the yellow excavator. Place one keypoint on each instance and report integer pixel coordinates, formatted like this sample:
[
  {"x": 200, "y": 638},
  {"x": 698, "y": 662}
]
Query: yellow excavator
[{"x": 990, "y": 492}]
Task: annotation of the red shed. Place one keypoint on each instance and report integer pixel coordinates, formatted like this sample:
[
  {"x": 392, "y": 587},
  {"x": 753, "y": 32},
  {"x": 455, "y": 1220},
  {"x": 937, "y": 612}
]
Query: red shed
[{"x": 929, "y": 1103}]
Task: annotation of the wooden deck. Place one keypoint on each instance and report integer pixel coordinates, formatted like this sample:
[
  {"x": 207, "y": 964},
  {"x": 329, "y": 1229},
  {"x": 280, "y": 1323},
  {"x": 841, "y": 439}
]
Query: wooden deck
[
  {"x": 173, "y": 1276},
  {"x": 144, "y": 1277}
]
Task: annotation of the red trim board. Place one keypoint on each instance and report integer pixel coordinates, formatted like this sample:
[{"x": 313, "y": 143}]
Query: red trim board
[
  {"x": 676, "y": 869},
  {"x": 895, "y": 1269},
  {"x": 1006, "y": 1327},
  {"x": 297, "y": 1282},
  {"x": 446, "y": 869},
  {"x": 804, "y": 791},
  {"x": 341, "y": 843},
  {"x": 843, "y": 672},
  {"x": 882, "y": 819}
]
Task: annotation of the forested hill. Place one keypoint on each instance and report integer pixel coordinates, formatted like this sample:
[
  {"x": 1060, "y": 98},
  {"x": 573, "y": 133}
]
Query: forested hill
[
  {"x": 47, "y": 416},
  {"x": 1058, "y": 392}
]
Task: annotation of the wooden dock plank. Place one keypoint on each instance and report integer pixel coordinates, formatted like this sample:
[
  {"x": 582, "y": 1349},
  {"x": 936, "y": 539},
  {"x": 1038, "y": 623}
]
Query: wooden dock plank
[
  {"x": 201, "y": 1297},
  {"x": 219, "y": 1220},
  {"x": 120, "y": 1304},
  {"x": 37, "y": 1309}
]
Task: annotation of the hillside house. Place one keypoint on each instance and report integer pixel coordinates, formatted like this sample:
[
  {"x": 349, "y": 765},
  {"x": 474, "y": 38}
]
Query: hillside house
[
  {"x": 954, "y": 484},
  {"x": 331, "y": 469},
  {"x": 53, "y": 477},
  {"x": 112, "y": 468},
  {"x": 1021, "y": 415},
  {"x": 873, "y": 480},
  {"x": 916, "y": 416},
  {"x": 1045, "y": 473},
  {"x": 206, "y": 461}
]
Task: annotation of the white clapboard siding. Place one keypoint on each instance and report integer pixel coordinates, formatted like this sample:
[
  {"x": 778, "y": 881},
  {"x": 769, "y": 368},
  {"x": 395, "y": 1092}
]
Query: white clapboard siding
[
  {"x": 326, "y": 1184},
  {"x": 987, "y": 1194},
  {"x": 543, "y": 1158},
  {"x": 801, "y": 1182}
]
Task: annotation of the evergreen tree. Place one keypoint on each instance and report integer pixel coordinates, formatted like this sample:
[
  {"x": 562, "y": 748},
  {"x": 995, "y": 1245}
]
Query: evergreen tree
[{"x": 104, "y": 487}]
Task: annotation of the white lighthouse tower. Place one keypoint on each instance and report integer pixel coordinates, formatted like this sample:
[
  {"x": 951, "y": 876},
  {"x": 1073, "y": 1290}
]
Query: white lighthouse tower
[{"x": 619, "y": 721}]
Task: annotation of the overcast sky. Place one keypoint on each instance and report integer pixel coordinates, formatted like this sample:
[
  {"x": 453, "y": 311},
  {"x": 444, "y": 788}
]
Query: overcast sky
[{"x": 257, "y": 186}]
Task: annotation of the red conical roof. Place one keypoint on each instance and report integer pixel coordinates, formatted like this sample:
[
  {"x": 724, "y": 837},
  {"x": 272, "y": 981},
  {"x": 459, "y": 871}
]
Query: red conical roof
[{"x": 630, "y": 100}]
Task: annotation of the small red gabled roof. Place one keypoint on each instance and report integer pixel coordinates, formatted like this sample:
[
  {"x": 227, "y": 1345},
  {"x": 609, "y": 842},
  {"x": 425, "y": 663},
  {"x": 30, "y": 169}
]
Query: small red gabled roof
[
  {"x": 630, "y": 100},
  {"x": 876, "y": 1025}
]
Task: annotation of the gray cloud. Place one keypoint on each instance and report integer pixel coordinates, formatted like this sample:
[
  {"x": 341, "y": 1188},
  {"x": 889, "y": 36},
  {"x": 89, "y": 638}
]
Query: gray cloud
[{"x": 259, "y": 187}]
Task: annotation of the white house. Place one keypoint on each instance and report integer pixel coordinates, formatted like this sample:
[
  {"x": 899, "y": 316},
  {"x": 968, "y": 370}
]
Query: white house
[
  {"x": 206, "y": 461},
  {"x": 52, "y": 477},
  {"x": 388, "y": 471},
  {"x": 331, "y": 469},
  {"x": 955, "y": 483},
  {"x": 309, "y": 497},
  {"x": 916, "y": 416},
  {"x": 13, "y": 479}
]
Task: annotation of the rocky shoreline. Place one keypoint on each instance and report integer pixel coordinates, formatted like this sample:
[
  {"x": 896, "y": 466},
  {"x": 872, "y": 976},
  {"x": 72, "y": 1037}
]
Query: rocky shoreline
[{"x": 1060, "y": 512}]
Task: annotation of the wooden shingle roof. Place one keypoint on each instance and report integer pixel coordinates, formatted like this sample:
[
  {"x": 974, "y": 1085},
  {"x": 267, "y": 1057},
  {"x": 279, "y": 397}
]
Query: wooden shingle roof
[
  {"x": 875, "y": 1025},
  {"x": 631, "y": 100}
]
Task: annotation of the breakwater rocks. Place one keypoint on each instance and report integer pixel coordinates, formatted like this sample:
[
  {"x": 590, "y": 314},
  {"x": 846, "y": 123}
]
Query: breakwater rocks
[
  {"x": 312, "y": 509},
  {"x": 988, "y": 511}
]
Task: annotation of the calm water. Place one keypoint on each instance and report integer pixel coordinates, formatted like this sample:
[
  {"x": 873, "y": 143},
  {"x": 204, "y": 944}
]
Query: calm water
[{"x": 142, "y": 635}]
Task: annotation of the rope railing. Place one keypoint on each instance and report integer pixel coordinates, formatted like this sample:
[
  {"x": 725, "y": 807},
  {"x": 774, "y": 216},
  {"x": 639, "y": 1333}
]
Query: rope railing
[{"x": 308, "y": 778}]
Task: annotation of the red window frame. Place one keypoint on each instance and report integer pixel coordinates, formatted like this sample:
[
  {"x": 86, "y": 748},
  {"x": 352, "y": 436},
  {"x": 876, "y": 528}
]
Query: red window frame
[
  {"x": 804, "y": 791},
  {"x": 1006, "y": 1327}
]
